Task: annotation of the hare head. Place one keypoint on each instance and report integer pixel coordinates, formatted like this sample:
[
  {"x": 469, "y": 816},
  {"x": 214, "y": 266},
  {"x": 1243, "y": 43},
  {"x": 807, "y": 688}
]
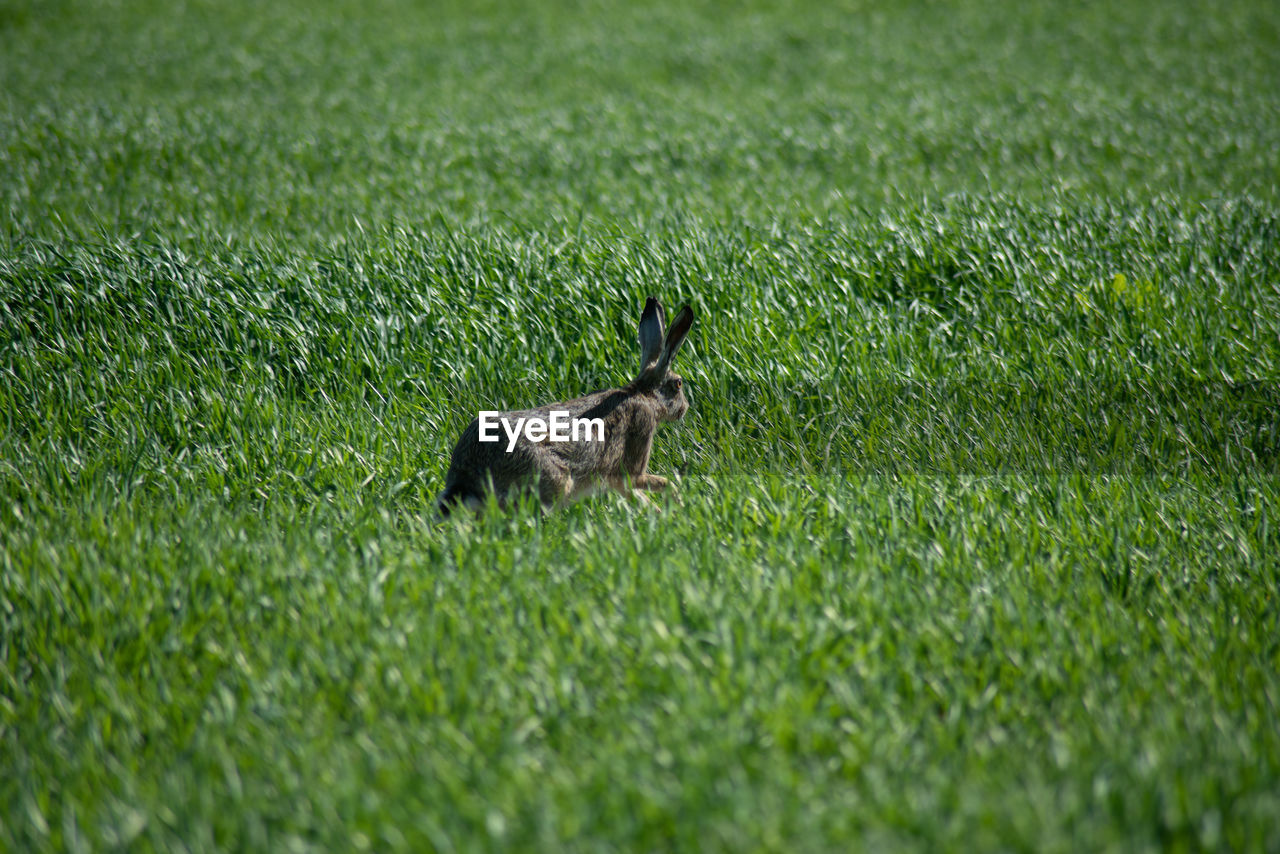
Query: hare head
[{"x": 656, "y": 377}]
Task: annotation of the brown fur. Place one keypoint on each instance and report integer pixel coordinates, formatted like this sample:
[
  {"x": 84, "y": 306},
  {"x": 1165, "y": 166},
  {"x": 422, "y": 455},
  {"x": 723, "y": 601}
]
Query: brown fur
[{"x": 563, "y": 471}]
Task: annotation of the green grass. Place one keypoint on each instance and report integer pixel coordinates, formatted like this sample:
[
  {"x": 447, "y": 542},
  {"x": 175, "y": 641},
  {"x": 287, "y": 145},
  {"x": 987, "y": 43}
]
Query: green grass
[{"x": 978, "y": 544}]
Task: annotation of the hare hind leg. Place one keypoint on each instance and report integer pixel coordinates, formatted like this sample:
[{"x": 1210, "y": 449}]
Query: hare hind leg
[{"x": 555, "y": 484}]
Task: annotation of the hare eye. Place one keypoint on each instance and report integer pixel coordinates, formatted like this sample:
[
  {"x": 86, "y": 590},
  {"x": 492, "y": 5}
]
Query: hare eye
[{"x": 679, "y": 383}]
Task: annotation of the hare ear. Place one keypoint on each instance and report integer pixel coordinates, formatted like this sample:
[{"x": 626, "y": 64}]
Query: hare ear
[
  {"x": 651, "y": 323},
  {"x": 675, "y": 337}
]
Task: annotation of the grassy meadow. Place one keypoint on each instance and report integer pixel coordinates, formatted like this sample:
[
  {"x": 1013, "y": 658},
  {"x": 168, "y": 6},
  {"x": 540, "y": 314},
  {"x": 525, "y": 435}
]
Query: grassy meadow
[{"x": 977, "y": 545}]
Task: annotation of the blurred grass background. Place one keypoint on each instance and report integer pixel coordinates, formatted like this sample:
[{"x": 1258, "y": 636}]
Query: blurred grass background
[{"x": 231, "y": 120}]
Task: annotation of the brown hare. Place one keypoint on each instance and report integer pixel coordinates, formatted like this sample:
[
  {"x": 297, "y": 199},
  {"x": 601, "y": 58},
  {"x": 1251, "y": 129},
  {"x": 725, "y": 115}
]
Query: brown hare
[{"x": 612, "y": 450}]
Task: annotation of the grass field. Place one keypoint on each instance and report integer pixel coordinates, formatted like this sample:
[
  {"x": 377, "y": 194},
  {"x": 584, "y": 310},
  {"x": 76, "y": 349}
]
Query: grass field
[{"x": 978, "y": 546}]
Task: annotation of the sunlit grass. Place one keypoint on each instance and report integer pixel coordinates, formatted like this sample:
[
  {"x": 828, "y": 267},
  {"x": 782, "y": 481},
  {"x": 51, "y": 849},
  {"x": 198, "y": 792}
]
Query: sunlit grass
[{"x": 977, "y": 544}]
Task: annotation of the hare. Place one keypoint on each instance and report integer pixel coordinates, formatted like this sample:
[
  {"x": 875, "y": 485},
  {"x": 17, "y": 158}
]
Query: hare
[{"x": 572, "y": 465}]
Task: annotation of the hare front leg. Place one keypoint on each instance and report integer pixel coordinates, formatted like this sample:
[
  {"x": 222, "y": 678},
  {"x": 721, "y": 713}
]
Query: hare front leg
[
  {"x": 658, "y": 483},
  {"x": 628, "y": 488},
  {"x": 652, "y": 482}
]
